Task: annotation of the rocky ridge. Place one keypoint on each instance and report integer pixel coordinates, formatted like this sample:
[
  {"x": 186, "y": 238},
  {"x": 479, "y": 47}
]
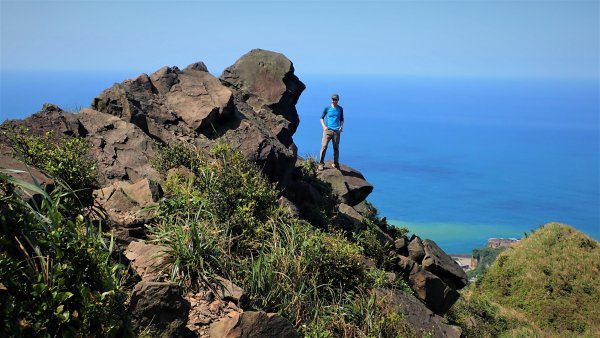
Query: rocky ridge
[{"x": 251, "y": 107}]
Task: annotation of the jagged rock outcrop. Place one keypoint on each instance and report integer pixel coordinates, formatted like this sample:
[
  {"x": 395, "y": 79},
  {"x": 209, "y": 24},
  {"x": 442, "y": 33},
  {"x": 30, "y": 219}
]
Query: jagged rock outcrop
[
  {"x": 125, "y": 203},
  {"x": 268, "y": 85},
  {"x": 54, "y": 120},
  {"x": 170, "y": 103},
  {"x": 431, "y": 273},
  {"x": 160, "y": 307},
  {"x": 122, "y": 149},
  {"x": 251, "y": 106},
  {"x": 348, "y": 183},
  {"x": 265, "y": 94},
  {"x": 254, "y": 324},
  {"x": 422, "y": 320},
  {"x": 438, "y": 262}
]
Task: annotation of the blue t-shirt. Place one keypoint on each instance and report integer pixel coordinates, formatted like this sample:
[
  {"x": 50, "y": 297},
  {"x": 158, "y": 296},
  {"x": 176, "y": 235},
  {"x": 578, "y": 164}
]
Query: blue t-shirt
[{"x": 333, "y": 116}]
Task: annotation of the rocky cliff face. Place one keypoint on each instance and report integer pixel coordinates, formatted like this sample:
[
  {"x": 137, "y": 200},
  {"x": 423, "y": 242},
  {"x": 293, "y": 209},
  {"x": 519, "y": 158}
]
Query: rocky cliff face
[{"x": 252, "y": 108}]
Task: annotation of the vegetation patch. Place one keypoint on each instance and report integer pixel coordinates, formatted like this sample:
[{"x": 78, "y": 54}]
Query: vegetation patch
[
  {"x": 220, "y": 216},
  {"x": 552, "y": 278},
  {"x": 57, "y": 274}
]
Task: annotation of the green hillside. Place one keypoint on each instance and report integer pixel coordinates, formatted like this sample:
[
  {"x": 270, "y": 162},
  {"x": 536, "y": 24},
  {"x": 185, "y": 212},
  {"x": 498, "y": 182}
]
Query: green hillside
[{"x": 551, "y": 279}]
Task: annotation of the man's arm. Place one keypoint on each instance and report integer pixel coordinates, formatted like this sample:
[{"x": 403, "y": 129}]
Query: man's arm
[
  {"x": 323, "y": 119},
  {"x": 341, "y": 119}
]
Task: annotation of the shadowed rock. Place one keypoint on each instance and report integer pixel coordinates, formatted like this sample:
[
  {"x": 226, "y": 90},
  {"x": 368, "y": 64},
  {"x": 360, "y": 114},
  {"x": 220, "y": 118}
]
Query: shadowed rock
[
  {"x": 348, "y": 183},
  {"x": 416, "y": 252},
  {"x": 438, "y": 295},
  {"x": 160, "y": 307},
  {"x": 439, "y": 263},
  {"x": 254, "y": 324},
  {"x": 122, "y": 149},
  {"x": 421, "y": 319},
  {"x": 267, "y": 83}
]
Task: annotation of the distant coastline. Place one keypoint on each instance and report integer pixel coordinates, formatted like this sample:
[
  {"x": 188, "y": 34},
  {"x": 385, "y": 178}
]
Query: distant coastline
[{"x": 458, "y": 238}]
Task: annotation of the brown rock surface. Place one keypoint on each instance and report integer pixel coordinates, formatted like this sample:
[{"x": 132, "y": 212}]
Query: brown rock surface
[
  {"x": 124, "y": 203},
  {"x": 122, "y": 149},
  {"x": 421, "y": 319},
  {"x": 146, "y": 259},
  {"x": 439, "y": 263},
  {"x": 254, "y": 324},
  {"x": 160, "y": 307},
  {"x": 348, "y": 183}
]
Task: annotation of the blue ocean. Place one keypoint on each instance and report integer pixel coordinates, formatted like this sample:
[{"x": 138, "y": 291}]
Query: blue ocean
[{"x": 455, "y": 160}]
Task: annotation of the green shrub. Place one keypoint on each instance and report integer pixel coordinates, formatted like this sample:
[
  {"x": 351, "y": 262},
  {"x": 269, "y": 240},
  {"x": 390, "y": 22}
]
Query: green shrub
[
  {"x": 334, "y": 259},
  {"x": 230, "y": 191},
  {"x": 359, "y": 315},
  {"x": 371, "y": 245},
  {"x": 173, "y": 156},
  {"x": 66, "y": 160},
  {"x": 485, "y": 257},
  {"x": 377, "y": 278},
  {"x": 308, "y": 166},
  {"x": 57, "y": 272},
  {"x": 478, "y": 317}
]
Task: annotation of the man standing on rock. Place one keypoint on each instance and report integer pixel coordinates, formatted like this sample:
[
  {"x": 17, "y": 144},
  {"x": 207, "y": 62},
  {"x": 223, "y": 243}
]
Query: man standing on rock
[{"x": 332, "y": 121}]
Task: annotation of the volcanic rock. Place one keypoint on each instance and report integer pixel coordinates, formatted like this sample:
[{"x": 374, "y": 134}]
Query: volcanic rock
[
  {"x": 348, "y": 183},
  {"x": 147, "y": 259},
  {"x": 160, "y": 307},
  {"x": 421, "y": 319},
  {"x": 438, "y": 295},
  {"x": 416, "y": 252},
  {"x": 125, "y": 203},
  {"x": 439, "y": 263},
  {"x": 254, "y": 324},
  {"x": 267, "y": 83}
]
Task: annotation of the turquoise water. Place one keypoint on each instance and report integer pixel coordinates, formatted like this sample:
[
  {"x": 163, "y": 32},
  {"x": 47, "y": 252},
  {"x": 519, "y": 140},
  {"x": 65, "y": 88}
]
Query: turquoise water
[{"x": 455, "y": 160}]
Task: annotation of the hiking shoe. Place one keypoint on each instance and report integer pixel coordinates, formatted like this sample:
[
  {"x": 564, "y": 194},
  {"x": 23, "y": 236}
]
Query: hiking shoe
[
  {"x": 335, "y": 165},
  {"x": 320, "y": 167}
]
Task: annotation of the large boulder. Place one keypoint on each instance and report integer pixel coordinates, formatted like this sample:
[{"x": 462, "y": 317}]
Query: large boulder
[
  {"x": 268, "y": 84},
  {"x": 438, "y": 295},
  {"x": 438, "y": 262},
  {"x": 416, "y": 251},
  {"x": 254, "y": 324},
  {"x": 125, "y": 203},
  {"x": 122, "y": 149},
  {"x": 265, "y": 94},
  {"x": 169, "y": 103},
  {"x": 348, "y": 183},
  {"x": 421, "y": 319},
  {"x": 159, "y": 307},
  {"x": 147, "y": 259}
]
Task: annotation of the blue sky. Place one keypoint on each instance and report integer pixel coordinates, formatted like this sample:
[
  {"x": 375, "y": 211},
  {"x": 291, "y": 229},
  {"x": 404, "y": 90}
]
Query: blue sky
[{"x": 540, "y": 39}]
